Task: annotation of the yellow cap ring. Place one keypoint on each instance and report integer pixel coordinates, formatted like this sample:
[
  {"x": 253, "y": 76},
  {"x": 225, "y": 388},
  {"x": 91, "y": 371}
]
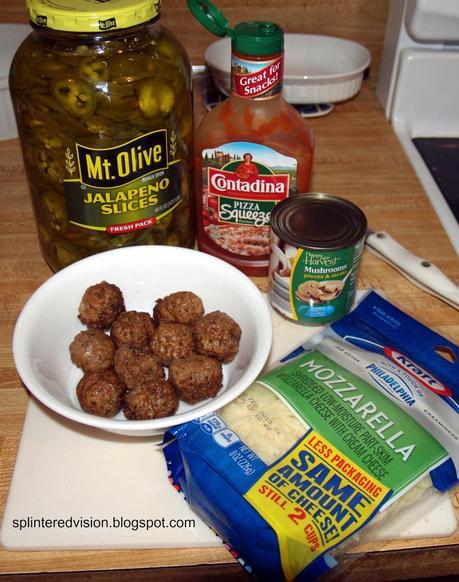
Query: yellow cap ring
[{"x": 89, "y": 16}]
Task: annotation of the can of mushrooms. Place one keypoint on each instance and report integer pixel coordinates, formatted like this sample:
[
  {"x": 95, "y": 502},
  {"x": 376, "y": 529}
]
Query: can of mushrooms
[{"x": 316, "y": 245}]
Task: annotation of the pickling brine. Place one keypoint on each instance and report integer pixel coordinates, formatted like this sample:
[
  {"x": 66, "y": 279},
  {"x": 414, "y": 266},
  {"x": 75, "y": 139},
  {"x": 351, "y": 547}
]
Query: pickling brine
[
  {"x": 102, "y": 96},
  {"x": 251, "y": 152}
]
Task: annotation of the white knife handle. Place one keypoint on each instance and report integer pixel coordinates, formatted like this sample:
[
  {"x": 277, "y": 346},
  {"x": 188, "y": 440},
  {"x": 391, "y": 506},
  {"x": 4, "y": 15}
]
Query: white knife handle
[{"x": 422, "y": 272}]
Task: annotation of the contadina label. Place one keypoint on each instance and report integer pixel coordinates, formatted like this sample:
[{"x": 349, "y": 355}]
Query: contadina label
[
  {"x": 123, "y": 188},
  {"x": 242, "y": 183}
]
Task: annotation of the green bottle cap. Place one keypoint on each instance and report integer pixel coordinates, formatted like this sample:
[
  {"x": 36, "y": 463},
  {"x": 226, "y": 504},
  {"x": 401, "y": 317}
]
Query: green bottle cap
[
  {"x": 250, "y": 38},
  {"x": 258, "y": 38},
  {"x": 209, "y": 16}
]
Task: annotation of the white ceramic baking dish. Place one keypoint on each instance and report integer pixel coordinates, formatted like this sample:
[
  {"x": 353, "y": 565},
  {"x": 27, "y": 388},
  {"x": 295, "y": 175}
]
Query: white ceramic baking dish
[{"x": 318, "y": 69}]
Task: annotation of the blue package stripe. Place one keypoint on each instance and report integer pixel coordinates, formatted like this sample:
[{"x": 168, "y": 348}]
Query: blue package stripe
[
  {"x": 217, "y": 501},
  {"x": 213, "y": 480},
  {"x": 209, "y": 471},
  {"x": 378, "y": 321},
  {"x": 444, "y": 476}
]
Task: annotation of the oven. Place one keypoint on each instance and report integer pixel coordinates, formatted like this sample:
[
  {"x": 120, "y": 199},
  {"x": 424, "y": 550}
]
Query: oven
[{"x": 418, "y": 87}]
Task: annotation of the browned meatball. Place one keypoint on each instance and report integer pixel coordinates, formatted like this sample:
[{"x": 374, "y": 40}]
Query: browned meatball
[
  {"x": 101, "y": 393},
  {"x": 179, "y": 307},
  {"x": 217, "y": 335},
  {"x": 101, "y": 304},
  {"x": 196, "y": 378},
  {"x": 92, "y": 350},
  {"x": 132, "y": 328},
  {"x": 154, "y": 400},
  {"x": 137, "y": 366},
  {"x": 171, "y": 341}
]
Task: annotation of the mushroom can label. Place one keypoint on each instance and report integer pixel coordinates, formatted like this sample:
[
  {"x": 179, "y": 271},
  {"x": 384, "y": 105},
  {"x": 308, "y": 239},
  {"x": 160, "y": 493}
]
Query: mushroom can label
[
  {"x": 241, "y": 184},
  {"x": 123, "y": 188},
  {"x": 312, "y": 286}
]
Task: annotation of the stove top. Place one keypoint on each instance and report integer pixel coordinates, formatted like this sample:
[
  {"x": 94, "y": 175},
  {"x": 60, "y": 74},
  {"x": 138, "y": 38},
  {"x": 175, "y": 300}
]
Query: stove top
[
  {"x": 441, "y": 156},
  {"x": 425, "y": 116}
]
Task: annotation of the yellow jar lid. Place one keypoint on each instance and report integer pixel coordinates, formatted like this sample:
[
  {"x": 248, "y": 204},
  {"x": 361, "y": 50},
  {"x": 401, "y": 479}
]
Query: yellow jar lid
[{"x": 91, "y": 15}]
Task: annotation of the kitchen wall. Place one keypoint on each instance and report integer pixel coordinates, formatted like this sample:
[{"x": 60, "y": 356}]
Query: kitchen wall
[{"x": 360, "y": 20}]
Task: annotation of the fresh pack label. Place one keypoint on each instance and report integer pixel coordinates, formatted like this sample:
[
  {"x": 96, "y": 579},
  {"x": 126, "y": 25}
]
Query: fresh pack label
[
  {"x": 242, "y": 182},
  {"x": 123, "y": 188},
  {"x": 252, "y": 79},
  {"x": 314, "y": 497}
]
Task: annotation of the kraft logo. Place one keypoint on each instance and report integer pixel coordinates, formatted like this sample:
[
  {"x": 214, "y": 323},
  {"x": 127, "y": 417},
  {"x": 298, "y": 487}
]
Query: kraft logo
[{"x": 418, "y": 373}]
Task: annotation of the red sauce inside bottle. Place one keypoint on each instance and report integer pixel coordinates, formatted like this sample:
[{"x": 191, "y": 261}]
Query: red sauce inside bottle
[{"x": 233, "y": 224}]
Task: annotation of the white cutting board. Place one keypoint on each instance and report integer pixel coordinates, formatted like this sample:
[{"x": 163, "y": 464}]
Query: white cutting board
[{"x": 64, "y": 470}]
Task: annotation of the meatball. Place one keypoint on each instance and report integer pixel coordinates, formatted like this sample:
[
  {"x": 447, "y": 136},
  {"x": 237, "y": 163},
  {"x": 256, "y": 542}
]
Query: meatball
[
  {"x": 196, "y": 378},
  {"x": 92, "y": 350},
  {"x": 180, "y": 307},
  {"x": 137, "y": 366},
  {"x": 101, "y": 304},
  {"x": 217, "y": 335},
  {"x": 132, "y": 328},
  {"x": 154, "y": 400},
  {"x": 101, "y": 393},
  {"x": 172, "y": 341}
]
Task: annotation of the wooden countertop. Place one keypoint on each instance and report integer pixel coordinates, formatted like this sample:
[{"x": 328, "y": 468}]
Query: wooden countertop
[{"x": 358, "y": 157}]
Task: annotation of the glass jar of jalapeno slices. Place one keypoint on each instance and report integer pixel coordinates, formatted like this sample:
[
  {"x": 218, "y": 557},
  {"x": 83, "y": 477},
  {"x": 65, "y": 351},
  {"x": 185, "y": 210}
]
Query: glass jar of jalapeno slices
[{"x": 102, "y": 96}]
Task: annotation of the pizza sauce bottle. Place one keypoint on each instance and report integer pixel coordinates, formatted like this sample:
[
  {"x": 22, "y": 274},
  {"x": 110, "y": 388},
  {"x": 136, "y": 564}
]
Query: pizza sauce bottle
[{"x": 251, "y": 151}]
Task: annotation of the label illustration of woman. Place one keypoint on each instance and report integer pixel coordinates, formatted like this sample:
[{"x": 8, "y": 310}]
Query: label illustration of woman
[{"x": 247, "y": 170}]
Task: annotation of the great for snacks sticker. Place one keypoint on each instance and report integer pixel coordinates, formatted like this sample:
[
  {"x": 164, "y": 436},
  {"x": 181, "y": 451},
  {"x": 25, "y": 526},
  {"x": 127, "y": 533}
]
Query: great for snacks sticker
[
  {"x": 253, "y": 79},
  {"x": 314, "y": 498}
]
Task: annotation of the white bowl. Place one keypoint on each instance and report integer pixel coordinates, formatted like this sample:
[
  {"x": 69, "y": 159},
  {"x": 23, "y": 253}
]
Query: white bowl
[
  {"x": 317, "y": 69},
  {"x": 49, "y": 322}
]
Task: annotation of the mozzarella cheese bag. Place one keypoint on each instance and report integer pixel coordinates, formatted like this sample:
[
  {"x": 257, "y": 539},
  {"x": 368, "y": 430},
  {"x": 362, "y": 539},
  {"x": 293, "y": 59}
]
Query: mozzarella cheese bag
[{"x": 358, "y": 419}]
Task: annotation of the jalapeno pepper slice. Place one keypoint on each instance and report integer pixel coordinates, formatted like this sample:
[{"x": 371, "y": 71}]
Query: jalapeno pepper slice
[
  {"x": 48, "y": 164},
  {"x": 95, "y": 70},
  {"x": 129, "y": 67},
  {"x": 155, "y": 98},
  {"x": 55, "y": 210},
  {"x": 49, "y": 139},
  {"x": 50, "y": 67},
  {"x": 63, "y": 253},
  {"x": 75, "y": 96}
]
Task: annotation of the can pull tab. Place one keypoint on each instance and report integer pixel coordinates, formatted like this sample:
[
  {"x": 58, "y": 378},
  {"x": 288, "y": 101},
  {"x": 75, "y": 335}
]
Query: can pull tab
[{"x": 210, "y": 17}]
